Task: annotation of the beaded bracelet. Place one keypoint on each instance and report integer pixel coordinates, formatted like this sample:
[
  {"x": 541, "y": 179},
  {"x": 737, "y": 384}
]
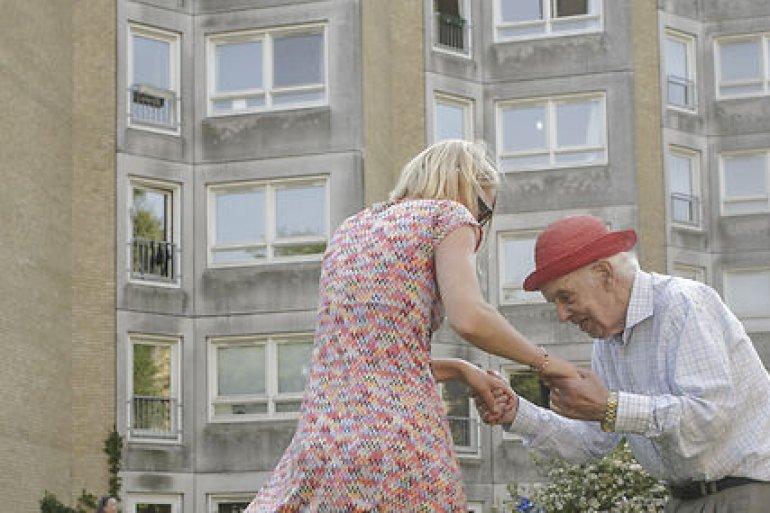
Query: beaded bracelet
[{"x": 541, "y": 366}]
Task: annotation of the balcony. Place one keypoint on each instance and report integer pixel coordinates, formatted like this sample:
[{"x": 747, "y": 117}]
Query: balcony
[
  {"x": 451, "y": 32},
  {"x": 154, "y": 417},
  {"x": 465, "y": 434},
  {"x": 153, "y": 260},
  {"x": 685, "y": 209},
  {"x": 153, "y": 107},
  {"x": 681, "y": 92}
]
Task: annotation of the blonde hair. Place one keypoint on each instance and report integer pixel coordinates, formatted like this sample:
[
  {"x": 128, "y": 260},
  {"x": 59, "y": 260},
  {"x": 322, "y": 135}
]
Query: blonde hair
[{"x": 451, "y": 169}]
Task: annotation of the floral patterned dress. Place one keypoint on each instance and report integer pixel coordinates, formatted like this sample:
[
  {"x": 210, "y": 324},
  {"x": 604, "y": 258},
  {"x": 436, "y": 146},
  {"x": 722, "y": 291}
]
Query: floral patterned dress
[{"x": 373, "y": 434}]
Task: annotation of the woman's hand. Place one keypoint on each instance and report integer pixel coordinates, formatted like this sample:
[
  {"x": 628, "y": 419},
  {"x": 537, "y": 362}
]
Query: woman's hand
[{"x": 494, "y": 397}]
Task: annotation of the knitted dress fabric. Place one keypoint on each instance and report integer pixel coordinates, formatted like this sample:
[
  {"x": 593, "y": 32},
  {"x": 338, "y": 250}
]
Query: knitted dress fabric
[{"x": 373, "y": 434}]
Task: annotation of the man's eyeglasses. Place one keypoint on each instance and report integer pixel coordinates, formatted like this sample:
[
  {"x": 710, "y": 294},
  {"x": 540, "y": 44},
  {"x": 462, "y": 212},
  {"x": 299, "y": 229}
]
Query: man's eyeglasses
[{"x": 485, "y": 211}]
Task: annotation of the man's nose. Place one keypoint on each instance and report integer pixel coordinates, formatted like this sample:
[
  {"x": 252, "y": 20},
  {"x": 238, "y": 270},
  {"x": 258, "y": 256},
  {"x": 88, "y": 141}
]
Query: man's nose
[{"x": 562, "y": 312}]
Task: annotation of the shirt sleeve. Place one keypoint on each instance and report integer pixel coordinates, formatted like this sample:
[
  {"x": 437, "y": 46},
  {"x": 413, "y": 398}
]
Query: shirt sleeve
[
  {"x": 449, "y": 216},
  {"x": 690, "y": 420}
]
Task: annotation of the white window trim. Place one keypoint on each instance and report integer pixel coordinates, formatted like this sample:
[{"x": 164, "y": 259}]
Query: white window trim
[
  {"x": 695, "y": 160},
  {"x": 176, "y": 386},
  {"x": 551, "y": 150},
  {"x": 699, "y": 272},
  {"x": 475, "y": 507},
  {"x": 502, "y": 236},
  {"x": 466, "y": 104},
  {"x": 132, "y": 499},
  {"x": 270, "y": 239},
  {"x": 215, "y": 499},
  {"x": 468, "y": 33},
  {"x": 692, "y": 68},
  {"x": 271, "y": 378},
  {"x": 751, "y": 322},
  {"x": 173, "y": 39},
  {"x": 722, "y": 194},
  {"x": 764, "y": 40},
  {"x": 176, "y": 227},
  {"x": 548, "y": 21},
  {"x": 267, "y": 91},
  {"x": 462, "y": 451}
]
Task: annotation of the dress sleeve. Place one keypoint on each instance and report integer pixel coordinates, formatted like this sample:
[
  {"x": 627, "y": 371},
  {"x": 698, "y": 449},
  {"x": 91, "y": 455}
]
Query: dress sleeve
[{"x": 449, "y": 216}]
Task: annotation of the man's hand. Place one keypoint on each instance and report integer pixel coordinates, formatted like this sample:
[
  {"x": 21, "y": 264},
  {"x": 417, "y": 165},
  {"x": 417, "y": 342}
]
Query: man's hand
[
  {"x": 583, "y": 398},
  {"x": 504, "y": 405}
]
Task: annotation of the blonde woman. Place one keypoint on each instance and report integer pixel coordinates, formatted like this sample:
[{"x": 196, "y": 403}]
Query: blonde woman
[{"x": 373, "y": 434}]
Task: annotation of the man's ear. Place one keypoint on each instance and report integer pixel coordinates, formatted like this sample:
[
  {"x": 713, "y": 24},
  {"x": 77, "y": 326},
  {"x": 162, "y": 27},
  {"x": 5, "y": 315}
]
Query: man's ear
[{"x": 603, "y": 271}]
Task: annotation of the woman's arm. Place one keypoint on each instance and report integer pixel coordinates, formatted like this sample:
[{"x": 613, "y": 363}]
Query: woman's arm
[{"x": 476, "y": 320}]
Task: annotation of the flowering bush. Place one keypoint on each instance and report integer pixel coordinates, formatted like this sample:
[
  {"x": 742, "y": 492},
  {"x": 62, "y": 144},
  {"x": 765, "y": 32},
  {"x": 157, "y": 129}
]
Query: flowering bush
[{"x": 614, "y": 484}]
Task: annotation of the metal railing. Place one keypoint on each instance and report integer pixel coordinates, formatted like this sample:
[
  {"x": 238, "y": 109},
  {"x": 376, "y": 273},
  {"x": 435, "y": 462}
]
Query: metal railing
[
  {"x": 153, "y": 417},
  {"x": 681, "y": 92},
  {"x": 153, "y": 107},
  {"x": 451, "y": 31},
  {"x": 152, "y": 259},
  {"x": 465, "y": 433},
  {"x": 685, "y": 209}
]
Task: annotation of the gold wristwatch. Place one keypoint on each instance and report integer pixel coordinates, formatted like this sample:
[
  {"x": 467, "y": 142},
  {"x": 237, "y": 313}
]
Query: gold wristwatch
[{"x": 610, "y": 413}]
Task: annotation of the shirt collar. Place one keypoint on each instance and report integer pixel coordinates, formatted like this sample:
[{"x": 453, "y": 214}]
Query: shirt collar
[{"x": 639, "y": 304}]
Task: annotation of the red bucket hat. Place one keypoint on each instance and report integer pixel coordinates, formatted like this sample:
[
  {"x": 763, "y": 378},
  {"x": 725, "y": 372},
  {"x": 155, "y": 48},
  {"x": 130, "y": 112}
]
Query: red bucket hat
[{"x": 571, "y": 243}]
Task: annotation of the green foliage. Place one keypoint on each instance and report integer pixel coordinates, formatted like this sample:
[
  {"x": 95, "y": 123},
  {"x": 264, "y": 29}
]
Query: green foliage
[
  {"x": 50, "y": 504},
  {"x": 149, "y": 378},
  {"x": 113, "y": 446},
  {"x": 614, "y": 484}
]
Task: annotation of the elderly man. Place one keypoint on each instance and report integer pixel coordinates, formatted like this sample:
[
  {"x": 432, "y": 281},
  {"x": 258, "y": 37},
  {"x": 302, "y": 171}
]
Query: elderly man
[{"x": 673, "y": 371}]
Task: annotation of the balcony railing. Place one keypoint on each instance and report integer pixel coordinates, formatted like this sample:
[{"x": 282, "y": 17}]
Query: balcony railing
[
  {"x": 450, "y": 31},
  {"x": 465, "y": 433},
  {"x": 153, "y": 107},
  {"x": 685, "y": 209},
  {"x": 152, "y": 260},
  {"x": 681, "y": 92},
  {"x": 153, "y": 417}
]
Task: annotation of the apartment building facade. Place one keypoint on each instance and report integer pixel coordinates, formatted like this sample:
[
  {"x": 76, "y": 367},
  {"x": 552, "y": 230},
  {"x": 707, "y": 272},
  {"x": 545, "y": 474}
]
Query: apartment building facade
[{"x": 248, "y": 130}]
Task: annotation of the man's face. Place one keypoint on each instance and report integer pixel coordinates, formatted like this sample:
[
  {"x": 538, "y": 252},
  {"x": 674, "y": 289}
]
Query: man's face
[{"x": 585, "y": 298}]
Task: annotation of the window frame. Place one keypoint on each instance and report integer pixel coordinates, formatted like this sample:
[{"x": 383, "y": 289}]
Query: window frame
[
  {"x": 271, "y": 397},
  {"x": 466, "y": 451},
  {"x": 694, "y": 156},
  {"x": 764, "y": 80},
  {"x": 175, "y": 226},
  {"x": 467, "y": 13},
  {"x": 551, "y": 103},
  {"x": 692, "y": 68},
  {"x": 175, "y": 394},
  {"x": 175, "y": 500},
  {"x": 698, "y": 272},
  {"x": 745, "y": 270},
  {"x": 467, "y": 105},
  {"x": 521, "y": 234},
  {"x": 173, "y": 39},
  {"x": 547, "y": 21},
  {"x": 475, "y": 507},
  {"x": 267, "y": 36},
  {"x": 213, "y": 500},
  {"x": 270, "y": 216},
  {"x": 723, "y": 199}
]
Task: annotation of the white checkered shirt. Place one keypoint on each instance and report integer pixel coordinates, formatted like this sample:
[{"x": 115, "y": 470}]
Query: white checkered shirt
[{"x": 694, "y": 397}]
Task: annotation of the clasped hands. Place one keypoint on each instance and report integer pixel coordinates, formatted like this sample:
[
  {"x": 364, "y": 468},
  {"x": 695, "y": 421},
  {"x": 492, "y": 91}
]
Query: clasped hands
[{"x": 583, "y": 397}]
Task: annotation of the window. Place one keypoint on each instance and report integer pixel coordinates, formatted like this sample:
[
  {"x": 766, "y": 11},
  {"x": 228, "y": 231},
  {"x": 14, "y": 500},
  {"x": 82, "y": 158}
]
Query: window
[
  {"x": 747, "y": 292},
  {"x": 516, "y": 255},
  {"x": 684, "y": 186},
  {"x": 452, "y": 119},
  {"x": 154, "y": 386},
  {"x": 527, "y": 19},
  {"x": 528, "y": 385},
  {"x": 154, "y": 231},
  {"x": 680, "y": 70},
  {"x": 742, "y": 65},
  {"x": 745, "y": 183},
  {"x": 691, "y": 272},
  {"x": 267, "y": 70},
  {"x": 452, "y": 26},
  {"x": 461, "y": 414},
  {"x": 230, "y": 503},
  {"x": 475, "y": 507},
  {"x": 153, "y": 503},
  {"x": 153, "y": 79},
  {"x": 267, "y": 221},
  {"x": 564, "y": 131},
  {"x": 257, "y": 377}
]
